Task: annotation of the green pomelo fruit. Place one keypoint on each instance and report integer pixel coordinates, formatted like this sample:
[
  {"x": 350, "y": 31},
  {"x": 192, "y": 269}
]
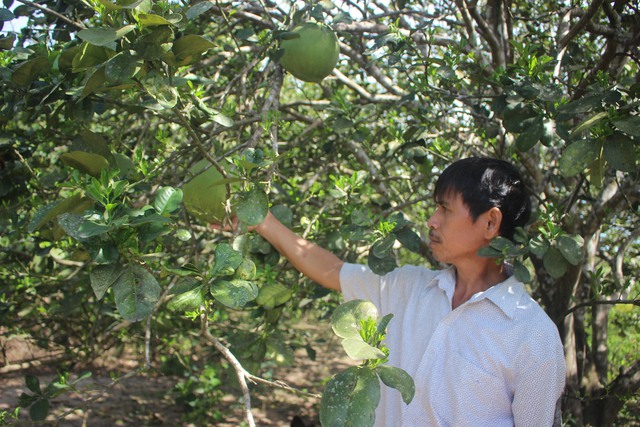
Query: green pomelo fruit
[
  {"x": 312, "y": 56},
  {"x": 205, "y": 195}
]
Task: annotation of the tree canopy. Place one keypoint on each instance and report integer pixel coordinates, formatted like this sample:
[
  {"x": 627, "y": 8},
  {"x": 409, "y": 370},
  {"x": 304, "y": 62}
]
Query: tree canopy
[{"x": 106, "y": 106}]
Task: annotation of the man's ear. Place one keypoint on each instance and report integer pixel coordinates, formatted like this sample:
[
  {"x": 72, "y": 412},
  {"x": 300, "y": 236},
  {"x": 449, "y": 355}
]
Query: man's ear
[{"x": 493, "y": 220}]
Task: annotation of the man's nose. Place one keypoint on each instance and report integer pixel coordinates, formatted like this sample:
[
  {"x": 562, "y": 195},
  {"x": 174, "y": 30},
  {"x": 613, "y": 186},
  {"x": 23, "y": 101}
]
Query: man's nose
[{"x": 431, "y": 222}]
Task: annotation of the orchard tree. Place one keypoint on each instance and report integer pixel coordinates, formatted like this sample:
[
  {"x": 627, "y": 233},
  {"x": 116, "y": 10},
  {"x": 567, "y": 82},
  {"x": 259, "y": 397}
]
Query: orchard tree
[{"x": 109, "y": 109}]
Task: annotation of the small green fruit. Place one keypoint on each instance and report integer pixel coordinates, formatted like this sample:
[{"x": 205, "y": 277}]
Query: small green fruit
[
  {"x": 312, "y": 56},
  {"x": 205, "y": 195}
]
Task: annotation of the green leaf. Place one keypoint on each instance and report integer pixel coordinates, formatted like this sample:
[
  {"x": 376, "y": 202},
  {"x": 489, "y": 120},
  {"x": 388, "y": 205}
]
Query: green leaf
[
  {"x": 381, "y": 266},
  {"x": 518, "y": 116},
  {"x": 89, "y": 229},
  {"x": 246, "y": 270},
  {"x": 399, "y": 379},
  {"x": 234, "y": 293},
  {"x": 381, "y": 327},
  {"x": 357, "y": 349},
  {"x": 155, "y": 44},
  {"x": 530, "y": 136},
  {"x": 188, "y": 295},
  {"x": 39, "y": 410},
  {"x": 121, "y": 4},
  {"x": 6, "y": 43},
  {"x": 102, "y": 277},
  {"x": 489, "y": 252},
  {"x": 620, "y": 151},
  {"x": 590, "y": 122},
  {"x": 350, "y": 399},
  {"x": 136, "y": 292},
  {"x": 227, "y": 260},
  {"x": 521, "y": 272},
  {"x": 30, "y": 70},
  {"x": 89, "y": 56},
  {"x": 252, "y": 206},
  {"x": 198, "y": 9},
  {"x": 49, "y": 212},
  {"x": 187, "y": 49},
  {"x": 167, "y": 200},
  {"x": 104, "y": 36},
  {"x": 571, "y": 248},
  {"x": 33, "y": 383},
  {"x": 581, "y": 105},
  {"x": 95, "y": 82},
  {"x": 554, "y": 263},
  {"x": 578, "y": 156},
  {"x": 382, "y": 247},
  {"x": 409, "y": 239},
  {"x": 345, "y": 320},
  {"x": 273, "y": 294},
  {"x": 629, "y": 125},
  {"x": 539, "y": 246},
  {"x": 122, "y": 67},
  {"x": 160, "y": 89},
  {"x": 6, "y": 14},
  {"x": 88, "y": 163},
  {"x": 151, "y": 20}
]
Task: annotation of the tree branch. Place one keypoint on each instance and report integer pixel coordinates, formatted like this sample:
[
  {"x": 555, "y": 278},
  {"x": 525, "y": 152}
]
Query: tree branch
[
  {"x": 635, "y": 302},
  {"x": 45, "y": 9},
  {"x": 581, "y": 24}
]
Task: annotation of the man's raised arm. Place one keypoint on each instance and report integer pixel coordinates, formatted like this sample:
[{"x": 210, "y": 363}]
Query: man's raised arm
[{"x": 315, "y": 262}]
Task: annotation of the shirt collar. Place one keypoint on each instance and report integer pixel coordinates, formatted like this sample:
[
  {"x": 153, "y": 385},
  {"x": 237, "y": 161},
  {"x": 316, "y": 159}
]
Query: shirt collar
[{"x": 505, "y": 295}]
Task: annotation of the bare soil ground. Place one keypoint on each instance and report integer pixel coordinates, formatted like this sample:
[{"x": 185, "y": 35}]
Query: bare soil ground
[{"x": 146, "y": 400}]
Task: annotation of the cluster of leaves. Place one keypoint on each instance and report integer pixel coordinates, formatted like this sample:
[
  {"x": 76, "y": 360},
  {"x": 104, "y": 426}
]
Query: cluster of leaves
[{"x": 352, "y": 396}]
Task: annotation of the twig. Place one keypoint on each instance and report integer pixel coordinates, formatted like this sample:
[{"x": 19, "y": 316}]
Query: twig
[
  {"x": 45, "y": 9},
  {"x": 603, "y": 302},
  {"x": 241, "y": 373}
]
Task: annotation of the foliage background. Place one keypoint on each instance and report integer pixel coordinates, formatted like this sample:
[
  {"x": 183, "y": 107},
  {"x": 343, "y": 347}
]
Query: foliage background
[{"x": 106, "y": 106}]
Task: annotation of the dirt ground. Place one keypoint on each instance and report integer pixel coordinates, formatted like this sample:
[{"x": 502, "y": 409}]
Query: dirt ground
[{"x": 146, "y": 400}]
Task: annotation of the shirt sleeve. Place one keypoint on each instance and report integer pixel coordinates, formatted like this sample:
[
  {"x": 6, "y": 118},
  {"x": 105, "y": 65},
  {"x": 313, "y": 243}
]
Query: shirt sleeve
[
  {"x": 389, "y": 293},
  {"x": 541, "y": 380},
  {"x": 359, "y": 282}
]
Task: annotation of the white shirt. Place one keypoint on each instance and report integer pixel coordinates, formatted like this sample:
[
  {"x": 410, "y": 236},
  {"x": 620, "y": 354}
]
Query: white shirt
[{"x": 496, "y": 360}]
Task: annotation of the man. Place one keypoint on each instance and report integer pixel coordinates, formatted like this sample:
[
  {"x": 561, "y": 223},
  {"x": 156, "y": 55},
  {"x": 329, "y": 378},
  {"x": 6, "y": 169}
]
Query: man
[{"x": 479, "y": 348}]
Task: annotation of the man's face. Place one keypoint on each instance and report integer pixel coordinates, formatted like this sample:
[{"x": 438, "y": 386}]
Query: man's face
[{"x": 454, "y": 236}]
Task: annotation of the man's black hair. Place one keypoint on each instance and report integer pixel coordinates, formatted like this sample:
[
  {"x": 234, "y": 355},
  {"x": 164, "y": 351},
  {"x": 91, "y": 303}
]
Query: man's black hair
[{"x": 484, "y": 183}]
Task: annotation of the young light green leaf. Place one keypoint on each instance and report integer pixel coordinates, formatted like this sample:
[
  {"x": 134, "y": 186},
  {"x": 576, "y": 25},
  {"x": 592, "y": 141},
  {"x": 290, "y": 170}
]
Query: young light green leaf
[
  {"x": 345, "y": 320},
  {"x": 357, "y": 349}
]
